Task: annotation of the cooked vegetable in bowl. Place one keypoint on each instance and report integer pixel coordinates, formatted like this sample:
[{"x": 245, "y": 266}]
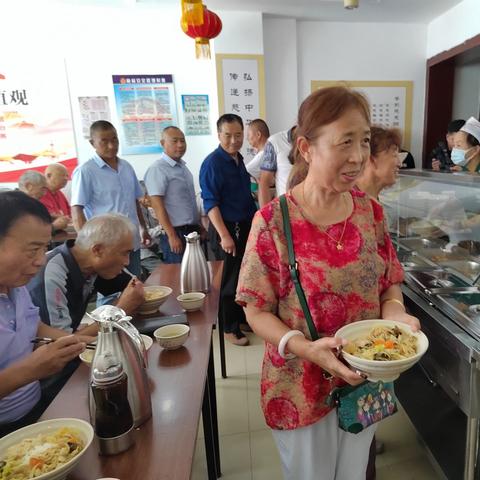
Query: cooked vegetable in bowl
[
  {"x": 45, "y": 450},
  {"x": 384, "y": 343},
  {"x": 382, "y": 349}
]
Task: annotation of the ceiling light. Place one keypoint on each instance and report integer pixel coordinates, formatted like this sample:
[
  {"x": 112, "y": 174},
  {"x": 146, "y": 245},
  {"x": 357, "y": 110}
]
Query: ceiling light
[{"x": 350, "y": 4}]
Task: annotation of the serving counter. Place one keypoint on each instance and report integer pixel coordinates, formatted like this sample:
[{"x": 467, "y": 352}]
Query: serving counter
[{"x": 434, "y": 220}]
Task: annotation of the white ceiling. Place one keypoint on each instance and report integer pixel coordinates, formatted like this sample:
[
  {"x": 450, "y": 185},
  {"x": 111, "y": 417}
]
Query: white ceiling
[{"x": 401, "y": 11}]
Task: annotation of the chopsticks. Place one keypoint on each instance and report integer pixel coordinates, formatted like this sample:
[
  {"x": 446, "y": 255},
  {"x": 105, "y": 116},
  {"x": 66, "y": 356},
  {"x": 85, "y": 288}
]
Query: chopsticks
[
  {"x": 47, "y": 340},
  {"x": 128, "y": 272}
]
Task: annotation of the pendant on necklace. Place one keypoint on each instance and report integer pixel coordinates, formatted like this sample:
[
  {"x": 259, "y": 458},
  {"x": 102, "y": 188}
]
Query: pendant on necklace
[{"x": 339, "y": 246}]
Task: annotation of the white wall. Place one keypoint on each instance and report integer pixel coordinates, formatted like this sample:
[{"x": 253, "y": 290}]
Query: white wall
[
  {"x": 242, "y": 33},
  {"x": 453, "y": 27},
  {"x": 99, "y": 41},
  {"x": 281, "y": 76},
  {"x": 466, "y": 93},
  {"x": 343, "y": 51}
]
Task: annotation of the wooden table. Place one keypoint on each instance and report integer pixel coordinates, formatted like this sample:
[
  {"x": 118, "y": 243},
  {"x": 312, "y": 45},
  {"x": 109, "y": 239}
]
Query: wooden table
[{"x": 182, "y": 384}]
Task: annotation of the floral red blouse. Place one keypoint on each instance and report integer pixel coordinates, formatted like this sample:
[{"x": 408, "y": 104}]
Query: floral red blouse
[{"x": 341, "y": 287}]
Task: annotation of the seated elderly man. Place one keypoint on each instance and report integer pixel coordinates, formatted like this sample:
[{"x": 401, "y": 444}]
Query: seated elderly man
[
  {"x": 92, "y": 262},
  {"x": 25, "y": 229},
  {"x": 57, "y": 204},
  {"x": 34, "y": 184}
]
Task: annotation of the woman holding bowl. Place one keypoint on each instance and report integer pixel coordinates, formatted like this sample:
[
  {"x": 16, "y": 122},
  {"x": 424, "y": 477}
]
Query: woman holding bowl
[{"x": 349, "y": 272}]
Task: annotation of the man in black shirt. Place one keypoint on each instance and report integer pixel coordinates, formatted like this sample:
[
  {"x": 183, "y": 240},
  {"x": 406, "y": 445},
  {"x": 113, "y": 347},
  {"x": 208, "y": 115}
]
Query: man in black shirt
[{"x": 439, "y": 158}]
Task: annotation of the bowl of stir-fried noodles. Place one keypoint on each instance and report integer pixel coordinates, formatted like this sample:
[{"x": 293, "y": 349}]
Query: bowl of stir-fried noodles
[
  {"x": 46, "y": 450},
  {"x": 382, "y": 349}
]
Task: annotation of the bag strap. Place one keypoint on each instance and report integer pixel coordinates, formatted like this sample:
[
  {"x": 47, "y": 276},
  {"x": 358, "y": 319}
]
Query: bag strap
[{"x": 293, "y": 267}]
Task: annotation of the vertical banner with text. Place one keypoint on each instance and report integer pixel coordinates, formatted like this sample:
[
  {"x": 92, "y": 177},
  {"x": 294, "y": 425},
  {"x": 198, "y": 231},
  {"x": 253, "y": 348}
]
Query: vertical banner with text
[{"x": 241, "y": 89}]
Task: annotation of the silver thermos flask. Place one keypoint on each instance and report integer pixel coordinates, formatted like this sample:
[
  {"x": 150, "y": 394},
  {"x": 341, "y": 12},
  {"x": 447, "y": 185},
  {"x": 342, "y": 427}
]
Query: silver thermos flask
[
  {"x": 113, "y": 419},
  {"x": 194, "y": 272}
]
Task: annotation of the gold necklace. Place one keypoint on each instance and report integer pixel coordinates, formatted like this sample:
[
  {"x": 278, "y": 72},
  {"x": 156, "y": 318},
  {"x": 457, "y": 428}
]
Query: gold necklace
[{"x": 338, "y": 242}]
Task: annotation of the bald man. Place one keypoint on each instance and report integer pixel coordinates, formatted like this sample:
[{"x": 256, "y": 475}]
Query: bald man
[
  {"x": 54, "y": 199},
  {"x": 172, "y": 194}
]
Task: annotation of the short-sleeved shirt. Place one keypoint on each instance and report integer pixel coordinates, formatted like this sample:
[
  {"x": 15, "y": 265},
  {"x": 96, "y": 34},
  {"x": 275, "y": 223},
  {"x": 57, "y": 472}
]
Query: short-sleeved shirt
[
  {"x": 275, "y": 159},
  {"x": 172, "y": 180},
  {"x": 56, "y": 203},
  {"x": 253, "y": 166},
  {"x": 99, "y": 189},
  {"x": 18, "y": 326},
  {"x": 341, "y": 286},
  {"x": 226, "y": 184},
  {"x": 62, "y": 291}
]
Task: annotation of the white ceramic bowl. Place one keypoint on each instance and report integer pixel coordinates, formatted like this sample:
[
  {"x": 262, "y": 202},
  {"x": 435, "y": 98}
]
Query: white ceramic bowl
[
  {"x": 171, "y": 337},
  {"x": 87, "y": 355},
  {"x": 148, "y": 341},
  {"x": 386, "y": 370},
  {"x": 84, "y": 429},
  {"x": 191, "y": 301},
  {"x": 151, "y": 306}
]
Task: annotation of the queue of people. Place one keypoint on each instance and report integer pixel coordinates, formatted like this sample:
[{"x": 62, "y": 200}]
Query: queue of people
[{"x": 328, "y": 171}]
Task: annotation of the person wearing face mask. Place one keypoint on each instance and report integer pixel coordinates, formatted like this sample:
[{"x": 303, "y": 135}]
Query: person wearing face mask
[
  {"x": 439, "y": 158},
  {"x": 466, "y": 150}
]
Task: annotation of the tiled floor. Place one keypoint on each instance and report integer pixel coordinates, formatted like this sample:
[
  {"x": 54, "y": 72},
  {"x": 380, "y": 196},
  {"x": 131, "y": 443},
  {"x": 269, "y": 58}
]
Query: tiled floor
[{"x": 246, "y": 444}]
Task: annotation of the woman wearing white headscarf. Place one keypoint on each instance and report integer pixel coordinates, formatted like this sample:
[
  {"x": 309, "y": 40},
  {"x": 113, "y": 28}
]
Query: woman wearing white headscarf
[{"x": 466, "y": 150}]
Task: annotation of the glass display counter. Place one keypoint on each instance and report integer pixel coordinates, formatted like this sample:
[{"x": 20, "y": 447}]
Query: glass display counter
[{"x": 434, "y": 221}]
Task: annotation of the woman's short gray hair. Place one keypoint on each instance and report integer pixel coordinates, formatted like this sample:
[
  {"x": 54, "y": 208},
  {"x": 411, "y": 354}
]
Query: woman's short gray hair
[{"x": 107, "y": 229}]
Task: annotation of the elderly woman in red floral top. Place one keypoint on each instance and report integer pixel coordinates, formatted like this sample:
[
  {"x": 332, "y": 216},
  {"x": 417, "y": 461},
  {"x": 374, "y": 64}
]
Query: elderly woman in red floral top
[{"x": 349, "y": 272}]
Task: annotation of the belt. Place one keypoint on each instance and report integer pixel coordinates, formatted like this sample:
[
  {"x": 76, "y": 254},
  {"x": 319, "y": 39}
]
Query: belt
[{"x": 187, "y": 226}]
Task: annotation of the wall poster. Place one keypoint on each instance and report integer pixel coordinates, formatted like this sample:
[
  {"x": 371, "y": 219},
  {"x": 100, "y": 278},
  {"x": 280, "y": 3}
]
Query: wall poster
[
  {"x": 391, "y": 103},
  {"x": 91, "y": 110},
  {"x": 196, "y": 114},
  {"x": 145, "y": 106},
  {"x": 35, "y": 120},
  {"x": 241, "y": 89}
]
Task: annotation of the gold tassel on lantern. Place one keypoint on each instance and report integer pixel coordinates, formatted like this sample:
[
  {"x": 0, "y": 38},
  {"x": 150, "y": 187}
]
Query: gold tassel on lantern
[
  {"x": 202, "y": 47},
  {"x": 192, "y": 13}
]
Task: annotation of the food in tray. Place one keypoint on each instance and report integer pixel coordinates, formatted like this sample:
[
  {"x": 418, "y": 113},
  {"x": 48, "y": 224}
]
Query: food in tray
[
  {"x": 383, "y": 343},
  {"x": 41, "y": 454}
]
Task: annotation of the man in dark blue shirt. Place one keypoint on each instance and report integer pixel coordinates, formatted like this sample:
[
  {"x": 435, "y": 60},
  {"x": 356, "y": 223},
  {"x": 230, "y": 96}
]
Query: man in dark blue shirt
[{"x": 227, "y": 200}]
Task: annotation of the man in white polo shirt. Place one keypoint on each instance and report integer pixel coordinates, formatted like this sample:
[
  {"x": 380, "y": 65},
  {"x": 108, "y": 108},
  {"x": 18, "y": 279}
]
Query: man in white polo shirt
[{"x": 276, "y": 166}]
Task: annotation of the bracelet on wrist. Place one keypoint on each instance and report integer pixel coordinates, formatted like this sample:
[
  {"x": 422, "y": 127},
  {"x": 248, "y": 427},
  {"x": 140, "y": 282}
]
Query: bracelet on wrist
[
  {"x": 283, "y": 343},
  {"x": 395, "y": 300}
]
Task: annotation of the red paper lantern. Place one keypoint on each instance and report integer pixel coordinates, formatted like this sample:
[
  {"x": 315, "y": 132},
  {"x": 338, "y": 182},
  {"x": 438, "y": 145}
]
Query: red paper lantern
[{"x": 210, "y": 28}]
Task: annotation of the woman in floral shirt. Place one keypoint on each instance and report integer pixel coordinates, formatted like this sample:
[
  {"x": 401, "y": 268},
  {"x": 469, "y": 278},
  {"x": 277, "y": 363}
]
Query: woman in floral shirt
[{"x": 349, "y": 272}]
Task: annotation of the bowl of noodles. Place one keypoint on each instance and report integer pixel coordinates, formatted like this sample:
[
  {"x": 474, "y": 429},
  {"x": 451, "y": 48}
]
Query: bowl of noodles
[
  {"x": 46, "y": 450},
  {"x": 155, "y": 295},
  {"x": 382, "y": 349}
]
